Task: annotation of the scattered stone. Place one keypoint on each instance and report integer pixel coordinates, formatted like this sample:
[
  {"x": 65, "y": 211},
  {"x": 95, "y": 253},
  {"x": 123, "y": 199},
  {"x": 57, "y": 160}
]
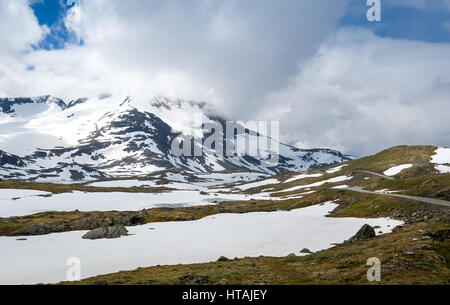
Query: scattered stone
[
  {"x": 111, "y": 232},
  {"x": 21, "y": 239},
  {"x": 305, "y": 250},
  {"x": 193, "y": 279},
  {"x": 377, "y": 227}
]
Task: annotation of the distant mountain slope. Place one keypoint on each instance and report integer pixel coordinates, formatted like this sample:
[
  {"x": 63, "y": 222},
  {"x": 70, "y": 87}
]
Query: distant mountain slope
[
  {"x": 10, "y": 160},
  {"x": 113, "y": 136}
]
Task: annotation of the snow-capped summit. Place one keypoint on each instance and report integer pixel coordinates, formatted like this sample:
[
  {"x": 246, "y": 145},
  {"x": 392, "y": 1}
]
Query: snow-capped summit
[{"x": 117, "y": 136}]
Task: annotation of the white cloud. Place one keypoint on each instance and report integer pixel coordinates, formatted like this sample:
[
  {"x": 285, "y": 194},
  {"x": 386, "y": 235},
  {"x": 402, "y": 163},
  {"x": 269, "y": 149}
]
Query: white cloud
[
  {"x": 228, "y": 53},
  {"x": 251, "y": 59},
  {"x": 19, "y": 27},
  {"x": 362, "y": 93}
]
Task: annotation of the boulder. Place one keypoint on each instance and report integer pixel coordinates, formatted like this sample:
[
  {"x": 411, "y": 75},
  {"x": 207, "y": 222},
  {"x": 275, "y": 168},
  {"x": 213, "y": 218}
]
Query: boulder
[
  {"x": 305, "y": 250},
  {"x": 116, "y": 232},
  {"x": 365, "y": 232},
  {"x": 98, "y": 233},
  {"x": 223, "y": 259},
  {"x": 110, "y": 232}
]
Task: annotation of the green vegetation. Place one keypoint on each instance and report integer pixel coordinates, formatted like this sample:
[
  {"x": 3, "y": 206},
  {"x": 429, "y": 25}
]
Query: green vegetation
[{"x": 66, "y": 188}]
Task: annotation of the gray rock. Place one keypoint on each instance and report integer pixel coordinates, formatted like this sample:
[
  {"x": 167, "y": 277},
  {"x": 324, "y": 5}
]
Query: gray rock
[
  {"x": 98, "y": 233},
  {"x": 365, "y": 232},
  {"x": 41, "y": 229},
  {"x": 110, "y": 232},
  {"x": 223, "y": 259},
  {"x": 116, "y": 232},
  {"x": 305, "y": 250}
]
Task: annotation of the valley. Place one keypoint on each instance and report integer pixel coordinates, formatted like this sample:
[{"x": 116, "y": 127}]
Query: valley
[{"x": 120, "y": 200}]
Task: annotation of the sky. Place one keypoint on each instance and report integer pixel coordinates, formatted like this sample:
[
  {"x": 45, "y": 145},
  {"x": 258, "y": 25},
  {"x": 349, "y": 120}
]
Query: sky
[{"x": 332, "y": 78}]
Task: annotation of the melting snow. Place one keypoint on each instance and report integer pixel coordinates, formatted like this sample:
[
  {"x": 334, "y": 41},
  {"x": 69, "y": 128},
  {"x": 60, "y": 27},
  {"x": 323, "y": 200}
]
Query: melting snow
[
  {"x": 441, "y": 158},
  {"x": 316, "y": 184},
  {"x": 42, "y": 259},
  {"x": 336, "y": 169},
  {"x": 11, "y": 194},
  {"x": 397, "y": 169},
  {"x": 302, "y": 176}
]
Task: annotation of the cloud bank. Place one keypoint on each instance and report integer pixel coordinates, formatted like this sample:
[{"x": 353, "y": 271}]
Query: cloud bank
[{"x": 330, "y": 87}]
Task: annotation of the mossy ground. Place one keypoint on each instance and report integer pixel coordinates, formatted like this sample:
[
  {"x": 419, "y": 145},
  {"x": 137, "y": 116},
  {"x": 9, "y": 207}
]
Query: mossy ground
[{"x": 66, "y": 188}]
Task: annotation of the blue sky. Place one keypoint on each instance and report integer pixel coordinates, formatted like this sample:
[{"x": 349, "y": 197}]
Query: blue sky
[
  {"x": 398, "y": 22},
  {"x": 51, "y": 14},
  {"x": 401, "y": 22}
]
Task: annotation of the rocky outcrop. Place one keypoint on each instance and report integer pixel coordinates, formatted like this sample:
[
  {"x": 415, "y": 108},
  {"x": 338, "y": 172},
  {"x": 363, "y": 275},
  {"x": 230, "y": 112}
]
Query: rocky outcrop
[
  {"x": 122, "y": 218},
  {"x": 41, "y": 229},
  {"x": 110, "y": 232}
]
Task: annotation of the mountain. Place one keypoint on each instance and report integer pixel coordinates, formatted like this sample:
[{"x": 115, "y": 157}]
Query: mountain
[
  {"x": 10, "y": 160},
  {"x": 112, "y": 136},
  {"x": 27, "y": 107}
]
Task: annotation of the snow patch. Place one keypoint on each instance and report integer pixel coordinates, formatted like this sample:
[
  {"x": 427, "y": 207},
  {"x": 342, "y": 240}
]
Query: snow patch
[
  {"x": 336, "y": 169},
  {"x": 442, "y": 157},
  {"x": 171, "y": 243},
  {"x": 397, "y": 169}
]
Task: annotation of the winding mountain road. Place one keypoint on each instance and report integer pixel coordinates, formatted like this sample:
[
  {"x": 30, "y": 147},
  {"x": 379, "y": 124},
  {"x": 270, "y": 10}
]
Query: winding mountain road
[
  {"x": 376, "y": 174},
  {"x": 422, "y": 199}
]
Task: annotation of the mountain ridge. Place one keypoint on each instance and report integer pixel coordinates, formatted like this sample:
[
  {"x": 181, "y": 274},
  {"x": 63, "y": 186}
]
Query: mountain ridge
[{"x": 113, "y": 136}]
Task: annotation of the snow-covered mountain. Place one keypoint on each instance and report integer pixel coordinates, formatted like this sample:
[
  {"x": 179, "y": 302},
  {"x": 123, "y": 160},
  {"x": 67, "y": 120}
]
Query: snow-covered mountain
[{"x": 46, "y": 139}]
